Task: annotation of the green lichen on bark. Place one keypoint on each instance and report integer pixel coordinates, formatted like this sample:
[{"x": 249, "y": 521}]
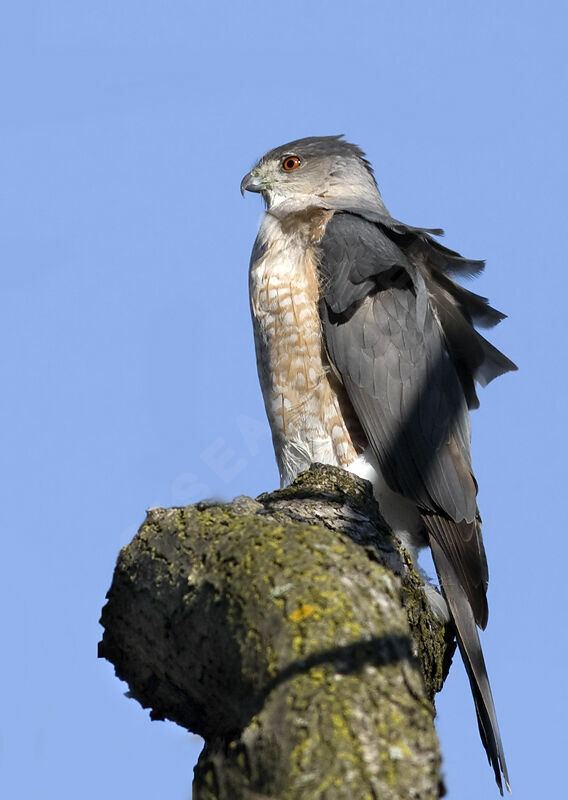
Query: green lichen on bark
[{"x": 278, "y": 630}]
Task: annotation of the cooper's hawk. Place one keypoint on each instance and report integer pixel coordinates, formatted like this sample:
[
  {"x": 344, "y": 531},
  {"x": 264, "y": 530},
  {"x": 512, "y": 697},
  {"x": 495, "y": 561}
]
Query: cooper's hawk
[{"x": 368, "y": 357}]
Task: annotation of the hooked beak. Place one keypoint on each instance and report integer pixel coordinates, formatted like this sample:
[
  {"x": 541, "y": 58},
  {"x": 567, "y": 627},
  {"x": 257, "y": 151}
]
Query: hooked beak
[{"x": 251, "y": 183}]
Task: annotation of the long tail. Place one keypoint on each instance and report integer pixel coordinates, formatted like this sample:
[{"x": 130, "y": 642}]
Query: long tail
[{"x": 472, "y": 655}]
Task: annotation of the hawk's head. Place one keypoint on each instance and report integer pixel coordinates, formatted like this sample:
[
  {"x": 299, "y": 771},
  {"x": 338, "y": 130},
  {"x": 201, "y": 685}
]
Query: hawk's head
[{"x": 318, "y": 168}]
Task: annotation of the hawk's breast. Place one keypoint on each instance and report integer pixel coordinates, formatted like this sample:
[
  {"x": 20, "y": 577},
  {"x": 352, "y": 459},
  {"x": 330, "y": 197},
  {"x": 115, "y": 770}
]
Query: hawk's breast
[{"x": 305, "y": 402}]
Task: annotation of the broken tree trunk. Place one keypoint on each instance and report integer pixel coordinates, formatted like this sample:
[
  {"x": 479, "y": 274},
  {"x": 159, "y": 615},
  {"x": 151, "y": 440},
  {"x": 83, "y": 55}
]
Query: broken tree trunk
[{"x": 293, "y": 635}]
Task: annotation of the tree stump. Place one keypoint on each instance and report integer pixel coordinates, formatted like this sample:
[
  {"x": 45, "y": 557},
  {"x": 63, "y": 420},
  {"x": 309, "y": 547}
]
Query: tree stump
[{"x": 292, "y": 633}]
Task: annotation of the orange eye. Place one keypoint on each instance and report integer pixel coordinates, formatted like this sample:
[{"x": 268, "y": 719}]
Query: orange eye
[{"x": 290, "y": 163}]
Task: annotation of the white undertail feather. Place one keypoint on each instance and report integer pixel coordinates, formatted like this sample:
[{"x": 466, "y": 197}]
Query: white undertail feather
[{"x": 403, "y": 518}]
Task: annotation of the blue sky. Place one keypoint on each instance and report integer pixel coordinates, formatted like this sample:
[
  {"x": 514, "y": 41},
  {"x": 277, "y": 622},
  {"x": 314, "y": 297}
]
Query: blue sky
[{"x": 128, "y": 368}]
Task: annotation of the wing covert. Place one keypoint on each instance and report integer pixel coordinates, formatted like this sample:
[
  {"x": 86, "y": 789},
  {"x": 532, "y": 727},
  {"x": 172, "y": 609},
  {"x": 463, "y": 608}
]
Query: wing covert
[{"x": 384, "y": 341}]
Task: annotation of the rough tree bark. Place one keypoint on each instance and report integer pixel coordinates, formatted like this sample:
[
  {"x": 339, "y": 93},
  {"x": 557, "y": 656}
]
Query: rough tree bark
[{"x": 293, "y": 635}]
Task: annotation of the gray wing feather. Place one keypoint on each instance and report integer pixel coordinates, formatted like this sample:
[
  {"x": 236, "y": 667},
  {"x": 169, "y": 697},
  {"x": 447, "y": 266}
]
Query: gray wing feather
[
  {"x": 475, "y": 359},
  {"x": 386, "y": 343},
  {"x": 384, "y": 340}
]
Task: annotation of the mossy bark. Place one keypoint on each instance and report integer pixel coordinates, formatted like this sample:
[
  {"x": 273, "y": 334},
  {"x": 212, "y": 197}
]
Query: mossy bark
[{"x": 293, "y": 635}]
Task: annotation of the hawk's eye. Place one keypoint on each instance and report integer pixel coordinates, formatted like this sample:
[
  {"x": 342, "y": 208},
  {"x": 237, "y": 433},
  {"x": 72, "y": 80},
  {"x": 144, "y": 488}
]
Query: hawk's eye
[{"x": 290, "y": 163}]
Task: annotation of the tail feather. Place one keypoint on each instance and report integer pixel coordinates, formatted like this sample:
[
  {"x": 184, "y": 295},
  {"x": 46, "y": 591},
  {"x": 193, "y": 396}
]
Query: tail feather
[{"x": 472, "y": 655}]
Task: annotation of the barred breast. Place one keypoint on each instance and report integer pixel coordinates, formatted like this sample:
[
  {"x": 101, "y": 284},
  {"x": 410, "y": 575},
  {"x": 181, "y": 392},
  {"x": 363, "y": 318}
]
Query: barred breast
[{"x": 308, "y": 412}]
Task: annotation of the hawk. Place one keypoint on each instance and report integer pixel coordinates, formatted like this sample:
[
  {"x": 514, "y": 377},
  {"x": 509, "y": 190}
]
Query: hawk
[{"x": 368, "y": 358}]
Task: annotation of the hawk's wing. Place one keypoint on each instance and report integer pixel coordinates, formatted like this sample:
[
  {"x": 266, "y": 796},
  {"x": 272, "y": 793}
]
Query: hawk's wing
[
  {"x": 385, "y": 342},
  {"x": 403, "y": 343}
]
